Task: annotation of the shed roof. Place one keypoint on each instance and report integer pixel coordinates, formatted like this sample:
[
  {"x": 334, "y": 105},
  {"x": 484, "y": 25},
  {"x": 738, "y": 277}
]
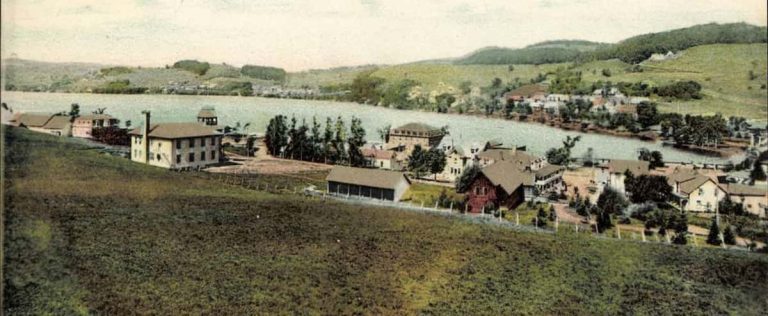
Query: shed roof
[
  {"x": 637, "y": 167},
  {"x": 32, "y": 119},
  {"x": 177, "y": 130},
  {"x": 375, "y": 178},
  {"x": 746, "y": 190},
  {"x": 548, "y": 170},
  {"x": 57, "y": 122},
  {"x": 378, "y": 153}
]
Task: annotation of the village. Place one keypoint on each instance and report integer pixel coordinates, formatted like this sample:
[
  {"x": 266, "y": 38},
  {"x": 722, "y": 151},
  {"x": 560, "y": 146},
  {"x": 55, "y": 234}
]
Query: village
[{"x": 418, "y": 166}]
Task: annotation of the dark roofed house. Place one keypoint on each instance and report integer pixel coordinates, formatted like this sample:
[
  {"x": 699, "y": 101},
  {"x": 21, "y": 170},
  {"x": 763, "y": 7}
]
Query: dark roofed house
[
  {"x": 501, "y": 184},
  {"x": 367, "y": 183}
]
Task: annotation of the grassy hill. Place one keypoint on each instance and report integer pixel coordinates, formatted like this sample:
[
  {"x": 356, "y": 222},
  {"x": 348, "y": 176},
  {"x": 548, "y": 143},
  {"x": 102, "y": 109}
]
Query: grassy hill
[
  {"x": 722, "y": 70},
  {"x": 89, "y": 233}
]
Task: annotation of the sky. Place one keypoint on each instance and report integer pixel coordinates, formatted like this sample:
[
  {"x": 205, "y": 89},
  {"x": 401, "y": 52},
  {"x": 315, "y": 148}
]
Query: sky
[{"x": 312, "y": 34}]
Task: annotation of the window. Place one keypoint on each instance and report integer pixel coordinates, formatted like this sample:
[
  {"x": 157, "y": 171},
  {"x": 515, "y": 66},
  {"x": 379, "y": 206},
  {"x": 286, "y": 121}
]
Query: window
[
  {"x": 715, "y": 191},
  {"x": 157, "y": 157},
  {"x": 178, "y": 158},
  {"x": 202, "y": 142},
  {"x": 381, "y": 164},
  {"x": 213, "y": 155},
  {"x": 191, "y": 157},
  {"x": 178, "y": 144},
  {"x": 202, "y": 156},
  {"x": 191, "y": 143},
  {"x": 701, "y": 191},
  {"x": 213, "y": 141}
]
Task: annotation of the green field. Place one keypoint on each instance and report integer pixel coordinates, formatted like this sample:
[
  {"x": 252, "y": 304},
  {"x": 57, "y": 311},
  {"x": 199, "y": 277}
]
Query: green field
[{"x": 90, "y": 233}]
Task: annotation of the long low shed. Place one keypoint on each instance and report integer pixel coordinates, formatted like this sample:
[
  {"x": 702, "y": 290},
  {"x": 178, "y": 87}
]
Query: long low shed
[{"x": 369, "y": 183}]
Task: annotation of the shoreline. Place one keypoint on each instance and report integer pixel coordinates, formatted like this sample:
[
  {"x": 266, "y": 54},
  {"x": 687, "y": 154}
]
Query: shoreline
[{"x": 647, "y": 136}]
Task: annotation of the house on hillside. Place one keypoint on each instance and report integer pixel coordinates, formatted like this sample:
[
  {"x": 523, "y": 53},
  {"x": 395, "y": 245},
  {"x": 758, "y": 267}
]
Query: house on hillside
[
  {"x": 696, "y": 192},
  {"x": 615, "y": 171},
  {"x": 175, "y": 145},
  {"x": 382, "y": 159},
  {"x": 83, "y": 125},
  {"x": 530, "y": 92},
  {"x": 501, "y": 184},
  {"x": 549, "y": 178},
  {"x": 753, "y": 198},
  {"x": 367, "y": 183},
  {"x": 404, "y": 138}
]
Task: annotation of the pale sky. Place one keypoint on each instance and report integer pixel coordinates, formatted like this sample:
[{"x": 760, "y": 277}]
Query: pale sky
[{"x": 307, "y": 34}]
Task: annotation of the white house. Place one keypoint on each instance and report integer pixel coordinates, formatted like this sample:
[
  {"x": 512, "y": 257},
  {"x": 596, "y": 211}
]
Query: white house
[{"x": 696, "y": 192}]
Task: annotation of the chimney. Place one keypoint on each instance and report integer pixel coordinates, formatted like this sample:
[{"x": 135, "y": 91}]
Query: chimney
[{"x": 145, "y": 136}]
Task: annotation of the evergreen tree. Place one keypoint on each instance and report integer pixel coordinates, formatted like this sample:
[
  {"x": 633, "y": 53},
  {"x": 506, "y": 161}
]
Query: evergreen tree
[
  {"x": 436, "y": 161},
  {"x": 356, "y": 141},
  {"x": 316, "y": 141},
  {"x": 466, "y": 178},
  {"x": 603, "y": 220},
  {"x": 757, "y": 174},
  {"x": 681, "y": 238},
  {"x": 541, "y": 218},
  {"x": 714, "y": 234},
  {"x": 340, "y": 137},
  {"x": 552, "y": 213},
  {"x": 276, "y": 137},
  {"x": 328, "y": 140},
  {"x": 728, "y": 235},
  {"x": 418, "y": 161}
]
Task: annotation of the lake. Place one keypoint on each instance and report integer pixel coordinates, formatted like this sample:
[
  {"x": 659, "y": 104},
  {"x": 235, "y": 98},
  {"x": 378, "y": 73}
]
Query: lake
[{"x": 464, "y": 130}]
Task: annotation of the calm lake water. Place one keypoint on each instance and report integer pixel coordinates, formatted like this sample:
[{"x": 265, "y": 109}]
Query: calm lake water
[{"x": 464, "y": 130}]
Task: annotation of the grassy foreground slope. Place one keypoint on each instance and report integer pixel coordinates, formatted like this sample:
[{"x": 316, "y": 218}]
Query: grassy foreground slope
[{"x": 89, "y": 233}]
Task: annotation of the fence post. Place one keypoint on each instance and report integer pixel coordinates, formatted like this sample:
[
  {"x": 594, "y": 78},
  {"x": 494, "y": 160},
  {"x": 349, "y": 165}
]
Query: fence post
[
  {"x": 517, "y": 218},
  {"x": 643, "y": 234},
  {"x": 618, "y": 231}
]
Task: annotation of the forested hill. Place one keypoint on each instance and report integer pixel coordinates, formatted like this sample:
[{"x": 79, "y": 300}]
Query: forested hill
[
  {"x": 636, "y": 49},
  {"x": 632, "y": 50},
  {"x": 541, "y": 53}
]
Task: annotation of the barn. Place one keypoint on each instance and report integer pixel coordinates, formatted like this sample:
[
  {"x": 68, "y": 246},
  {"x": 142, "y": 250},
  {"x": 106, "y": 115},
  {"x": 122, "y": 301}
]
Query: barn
[{"x": 367, "y": 183}]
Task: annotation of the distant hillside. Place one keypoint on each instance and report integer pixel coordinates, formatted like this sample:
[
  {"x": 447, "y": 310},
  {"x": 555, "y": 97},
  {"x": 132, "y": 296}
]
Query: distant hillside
[
  {"x": 632, "y": 50},
  {"x": 528, "y": 55},
  {"x": 639, "y": 48},
  {"x": 30, "y": 75}
]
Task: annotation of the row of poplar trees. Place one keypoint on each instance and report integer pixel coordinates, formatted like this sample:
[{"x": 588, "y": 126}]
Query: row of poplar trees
[{"x": 332, "y": 144}]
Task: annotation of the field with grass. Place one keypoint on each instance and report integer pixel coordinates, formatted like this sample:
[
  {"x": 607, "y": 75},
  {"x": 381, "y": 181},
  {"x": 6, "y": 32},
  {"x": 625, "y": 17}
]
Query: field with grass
[
  {"x": 87, "y": 233},
  {"x": 722, "y": 70}
]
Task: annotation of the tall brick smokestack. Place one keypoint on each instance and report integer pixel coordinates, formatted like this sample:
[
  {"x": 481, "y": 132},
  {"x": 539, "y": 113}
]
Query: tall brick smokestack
[{"x": 145, "y": 136}]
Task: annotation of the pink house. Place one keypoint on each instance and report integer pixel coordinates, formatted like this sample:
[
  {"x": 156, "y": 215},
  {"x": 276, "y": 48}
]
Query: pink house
[{"x": 83, "y": 125}]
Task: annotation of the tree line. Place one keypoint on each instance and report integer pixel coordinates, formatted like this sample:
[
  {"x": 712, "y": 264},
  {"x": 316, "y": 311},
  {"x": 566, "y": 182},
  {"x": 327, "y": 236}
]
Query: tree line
[{"x": 332, "y": 143}]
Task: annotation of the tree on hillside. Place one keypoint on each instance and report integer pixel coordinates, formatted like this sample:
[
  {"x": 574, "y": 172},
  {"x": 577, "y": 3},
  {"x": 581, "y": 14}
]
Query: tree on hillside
[
  {"x": 315, "y": 141},
  {"x": 339, "y": 139},
  {"x": 713, "y": 238},
  {"x": 426, "y": 161},
  {"x": 603, "y": 220},
  {"x": 384, "y": 133},
  {"x": 436, "y": 160},
  {"x": 541, "y": 218},
  {"x": 466, "y": 178},
  {"x": 327, "y": 140}
]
